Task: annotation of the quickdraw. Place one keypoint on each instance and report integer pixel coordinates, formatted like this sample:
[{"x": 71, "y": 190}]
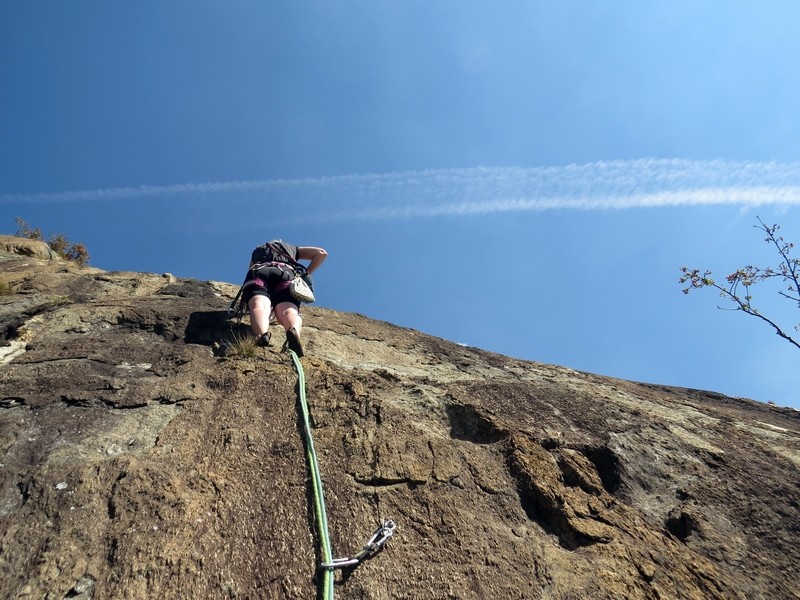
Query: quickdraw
[{"x": 374, "y": 545}]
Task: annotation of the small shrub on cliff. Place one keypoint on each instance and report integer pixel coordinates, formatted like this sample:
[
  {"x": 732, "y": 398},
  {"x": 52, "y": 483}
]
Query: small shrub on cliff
[
  {"x": 6, "y": 289},
  {"x": 58, "y": 243}
]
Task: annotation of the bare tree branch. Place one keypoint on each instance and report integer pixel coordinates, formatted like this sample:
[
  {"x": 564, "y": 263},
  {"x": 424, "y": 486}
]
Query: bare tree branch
[{"x": 788, "y": 270}]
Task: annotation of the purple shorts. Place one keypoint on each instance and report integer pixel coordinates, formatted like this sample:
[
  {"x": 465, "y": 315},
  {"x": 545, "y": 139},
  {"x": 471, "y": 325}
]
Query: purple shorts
[{"x": 277, "y": 293}]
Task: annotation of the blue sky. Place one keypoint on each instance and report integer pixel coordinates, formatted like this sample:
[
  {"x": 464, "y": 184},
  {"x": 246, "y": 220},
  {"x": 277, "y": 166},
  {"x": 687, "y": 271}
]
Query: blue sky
[{"x": 444, "y": 153}]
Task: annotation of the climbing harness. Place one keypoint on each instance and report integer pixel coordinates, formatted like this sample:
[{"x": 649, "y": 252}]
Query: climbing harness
[
  {"x": 271, "y": 260},
  {"x": 382, "y": 534},
  {"x": 260, "y": 272}
]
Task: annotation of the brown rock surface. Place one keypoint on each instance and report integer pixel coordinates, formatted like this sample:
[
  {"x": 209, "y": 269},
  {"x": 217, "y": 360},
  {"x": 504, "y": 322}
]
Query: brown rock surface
[
  {"x": 137, "y": 462},
  {"x": 11, "y": 244}
]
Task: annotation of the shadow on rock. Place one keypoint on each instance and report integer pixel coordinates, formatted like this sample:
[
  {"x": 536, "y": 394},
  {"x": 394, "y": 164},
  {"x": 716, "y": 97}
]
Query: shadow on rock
[{"x": 213, "y": 326}]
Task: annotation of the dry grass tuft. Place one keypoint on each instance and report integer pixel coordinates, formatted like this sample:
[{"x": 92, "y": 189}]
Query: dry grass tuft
[{"x": 242, "y": 347}]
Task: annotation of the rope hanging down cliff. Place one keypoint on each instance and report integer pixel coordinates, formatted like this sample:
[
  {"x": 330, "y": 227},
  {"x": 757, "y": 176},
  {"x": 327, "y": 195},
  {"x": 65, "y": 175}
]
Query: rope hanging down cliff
[{"x": 381, "y": 535}]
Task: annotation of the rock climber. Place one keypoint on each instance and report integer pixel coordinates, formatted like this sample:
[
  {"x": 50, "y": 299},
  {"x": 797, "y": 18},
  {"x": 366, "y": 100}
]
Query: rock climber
[{"x": 266, "y": 288}]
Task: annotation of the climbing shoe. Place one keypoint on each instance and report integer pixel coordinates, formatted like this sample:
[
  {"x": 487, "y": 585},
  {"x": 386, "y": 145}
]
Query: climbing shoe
[
  {"x": 263, "y": 340},
  {"x": 293, "y": 341}
]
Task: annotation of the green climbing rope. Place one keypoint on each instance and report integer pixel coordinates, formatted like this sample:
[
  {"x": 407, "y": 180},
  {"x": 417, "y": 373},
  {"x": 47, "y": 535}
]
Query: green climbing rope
[
  {"x": 381, "y": 535},
  {"x": 316, "y": 483}
]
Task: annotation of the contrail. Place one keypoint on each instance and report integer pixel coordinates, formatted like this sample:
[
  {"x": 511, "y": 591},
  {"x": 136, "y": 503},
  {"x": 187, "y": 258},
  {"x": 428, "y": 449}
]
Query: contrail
[{"x": 643, "y": 183}]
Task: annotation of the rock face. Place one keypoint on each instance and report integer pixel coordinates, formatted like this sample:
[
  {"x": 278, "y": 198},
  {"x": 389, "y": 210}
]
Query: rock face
[
  {"x": 10, "y": 244},
  {"x": 139, "y": 462}
]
